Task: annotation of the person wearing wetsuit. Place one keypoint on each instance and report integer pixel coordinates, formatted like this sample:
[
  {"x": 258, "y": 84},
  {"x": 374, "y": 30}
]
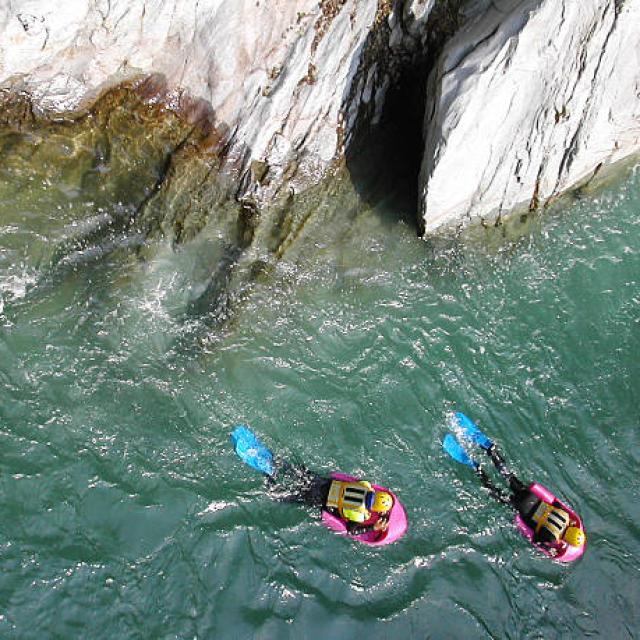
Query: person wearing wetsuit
[
  {"x": 356, "y": 503},
  {"x": 549, "y": 522}
]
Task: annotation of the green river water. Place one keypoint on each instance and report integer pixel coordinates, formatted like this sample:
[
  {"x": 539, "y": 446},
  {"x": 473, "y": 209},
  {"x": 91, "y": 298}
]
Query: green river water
[{"x": 125, "y": 514}]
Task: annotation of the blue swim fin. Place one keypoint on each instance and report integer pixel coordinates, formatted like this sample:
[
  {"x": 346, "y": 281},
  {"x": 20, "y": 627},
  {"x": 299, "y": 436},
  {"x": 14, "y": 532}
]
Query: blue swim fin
[
  {"x": 455, "y": 450},
  {"x": 471, "y": 432},
  {"x": 251, "y": 451}
]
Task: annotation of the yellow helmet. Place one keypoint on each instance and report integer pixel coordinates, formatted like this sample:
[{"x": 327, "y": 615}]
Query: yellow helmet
[
  {"x": 574, "y": 536},
  {"x": 382, "y": 502}
]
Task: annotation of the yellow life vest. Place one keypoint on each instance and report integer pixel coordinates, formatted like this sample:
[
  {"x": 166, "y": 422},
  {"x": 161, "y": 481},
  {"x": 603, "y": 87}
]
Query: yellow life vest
[
  {"x": 552, "y": 519},
  {"x": 349, "y": 498}
]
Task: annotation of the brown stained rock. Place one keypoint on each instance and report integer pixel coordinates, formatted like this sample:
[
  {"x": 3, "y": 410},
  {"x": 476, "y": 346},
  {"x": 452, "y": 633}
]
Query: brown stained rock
[
  {"x": 329, "y": 9},
  {"x": 137, "y": 144},
  {"x": 16, "y": 110},
  {"x": 259, "y": 170}
]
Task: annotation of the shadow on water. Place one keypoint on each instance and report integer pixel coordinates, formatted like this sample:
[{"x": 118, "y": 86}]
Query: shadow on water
[{"x": 383, "y": 160}]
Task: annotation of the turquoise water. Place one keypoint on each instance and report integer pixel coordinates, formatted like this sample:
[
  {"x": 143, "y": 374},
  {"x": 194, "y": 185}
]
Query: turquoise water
[{"x": 125, "y": 514}]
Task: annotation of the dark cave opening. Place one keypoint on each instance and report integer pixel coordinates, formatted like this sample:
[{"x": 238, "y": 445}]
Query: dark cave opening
[{"x": 384, "y": 159}]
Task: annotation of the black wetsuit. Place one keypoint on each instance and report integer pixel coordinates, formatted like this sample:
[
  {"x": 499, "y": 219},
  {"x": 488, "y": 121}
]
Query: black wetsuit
[{"x": 521, "y": 498}]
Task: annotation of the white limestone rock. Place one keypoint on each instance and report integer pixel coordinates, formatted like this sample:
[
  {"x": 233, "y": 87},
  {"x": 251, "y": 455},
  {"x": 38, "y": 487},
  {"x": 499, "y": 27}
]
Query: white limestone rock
[{"x": 527, "y": 102}]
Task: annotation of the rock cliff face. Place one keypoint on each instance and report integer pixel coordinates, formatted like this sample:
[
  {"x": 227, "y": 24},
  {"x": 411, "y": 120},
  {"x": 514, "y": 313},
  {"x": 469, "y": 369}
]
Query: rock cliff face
[{"x": 527, "y": 99}]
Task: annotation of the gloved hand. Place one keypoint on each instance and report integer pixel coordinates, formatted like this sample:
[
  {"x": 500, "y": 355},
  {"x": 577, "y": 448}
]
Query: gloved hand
[{"x": 382, "y": 524}]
